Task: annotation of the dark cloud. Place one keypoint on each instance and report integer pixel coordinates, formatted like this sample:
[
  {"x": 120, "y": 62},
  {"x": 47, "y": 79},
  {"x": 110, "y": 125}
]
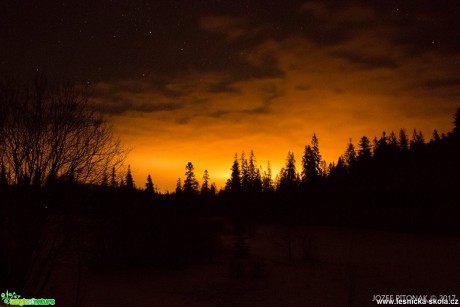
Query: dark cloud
[
  {"x": 442, "y": 83},
  {"x": 303, "y": 87},
  {"x": 122, "y": 106},
  {"x": 363, "y": 61},
  {"x": 223, "y": 87},
  {"x": 267, "y": 96},
  {"x": 107, "y": 40}
]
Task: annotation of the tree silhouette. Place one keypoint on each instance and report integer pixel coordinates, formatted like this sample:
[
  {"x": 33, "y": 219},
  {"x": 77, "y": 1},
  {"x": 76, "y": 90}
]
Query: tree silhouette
[
  {"x": 289, "y": 178},
  {"x": 255, "y": 180},
  {"x": 149, "y": 187},
  {"x": 267, "y": 181},
  {"x": 311, "y": 162},
  {"x": 339, "y": 171},
  {"x": 393, "y": 142},
  {"x": 212, "y": 189},
  {"x": 349, "y": 157},
  {"x": 436, "y": 139},
  {"x": 381, "y": 145},
  {"x": 190, "y": 182},
  {"x": 364, "y": 151},
  {"x": 49, "y": 131},
  {"x": 456, "y": 122},
  {"x": 234, "y": 183},
  {"x": 403, "y": 140},
  {"x": 178, "y": 186},
  {"x": 417, "y": 141},
  {"x": 245, "y": 174},
  {"x": 129, "y": 179},
  {"x": 205, "y": 189}
]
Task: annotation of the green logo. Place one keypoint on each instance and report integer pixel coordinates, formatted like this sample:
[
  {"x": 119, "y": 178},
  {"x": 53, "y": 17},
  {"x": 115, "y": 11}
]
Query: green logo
[{"x": 16, "y": 300}]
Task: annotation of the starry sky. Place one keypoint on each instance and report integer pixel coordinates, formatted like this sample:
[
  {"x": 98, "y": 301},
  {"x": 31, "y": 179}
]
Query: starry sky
[{"x": 200, "y": 80}]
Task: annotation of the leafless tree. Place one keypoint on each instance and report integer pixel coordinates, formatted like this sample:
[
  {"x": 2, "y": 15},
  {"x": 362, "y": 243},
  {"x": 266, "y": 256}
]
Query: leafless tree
[{"x": 50, "y": 131}]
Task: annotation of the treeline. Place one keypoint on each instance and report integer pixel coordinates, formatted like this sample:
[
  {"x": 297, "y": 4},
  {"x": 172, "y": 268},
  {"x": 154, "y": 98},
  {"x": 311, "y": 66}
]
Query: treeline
[
  {"x": 51, "y": 136},
  {"x": 395, "y": 181},
  {"x": 393, "y": 169}
]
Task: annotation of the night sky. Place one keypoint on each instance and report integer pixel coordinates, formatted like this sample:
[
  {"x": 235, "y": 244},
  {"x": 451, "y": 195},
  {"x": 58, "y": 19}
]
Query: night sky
[{"x": 200, "y": 80}]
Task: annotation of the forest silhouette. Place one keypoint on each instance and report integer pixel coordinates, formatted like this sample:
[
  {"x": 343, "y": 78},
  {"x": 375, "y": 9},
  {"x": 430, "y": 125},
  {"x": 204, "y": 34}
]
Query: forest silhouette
[{"x": 63, "y": 195}]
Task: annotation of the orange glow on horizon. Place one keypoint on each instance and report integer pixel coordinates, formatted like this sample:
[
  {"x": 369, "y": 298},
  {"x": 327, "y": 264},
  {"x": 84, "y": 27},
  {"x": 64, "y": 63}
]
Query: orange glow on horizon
[{"x": 205, "y": 118}]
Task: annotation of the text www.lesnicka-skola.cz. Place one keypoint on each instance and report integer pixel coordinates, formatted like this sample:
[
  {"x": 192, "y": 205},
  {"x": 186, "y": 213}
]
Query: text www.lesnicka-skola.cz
[{"x": 387, "y": 299}]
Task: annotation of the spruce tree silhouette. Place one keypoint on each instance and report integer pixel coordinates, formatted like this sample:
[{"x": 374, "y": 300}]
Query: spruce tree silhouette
[
  {"x": 234, "y": 183},
  {"x": 311, "y": 162},
  {"x": 190, "y": 182},
  {"x": 436, "y": 139},
  {"x": 455, "y": 134},
  {"x": 267, "y": 181},
  {"x": 381, "y": 145},
  {"x": 393, "y": 142},
  {"x": 149, "y": 187},
  {"x": 364, "y": 151},
  {"x": 129, "y": 179},
  {"x": 289, "y": 178},
  {"x": 205, "y": 189},
  {"x": 212, "y": 190},
  {"x": 255, "y": 180},
  {"x": 349, "y": 157},
  {"x": 403, "y": 140},
  {"x": 178, "y": 186},
  {"x": 418, "y": 141},
  {"x": 245, "y": 174},
  {"x": 339, "y": 171}
]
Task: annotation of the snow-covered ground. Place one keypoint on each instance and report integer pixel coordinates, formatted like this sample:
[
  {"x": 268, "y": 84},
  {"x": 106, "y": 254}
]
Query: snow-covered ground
[{"x": 328, "y": 267}]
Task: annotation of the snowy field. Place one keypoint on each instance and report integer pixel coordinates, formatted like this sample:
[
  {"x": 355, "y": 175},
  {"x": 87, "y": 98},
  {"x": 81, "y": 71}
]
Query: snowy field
[{"x": 328, "y": 267}]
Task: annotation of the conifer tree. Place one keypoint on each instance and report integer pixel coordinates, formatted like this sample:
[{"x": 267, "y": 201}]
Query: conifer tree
[
  {"x": 393, "y": 141},
  {"x": 436, "y": 138},
  {"x": 205, "y": 186},
  {"x": 289, "y": 178},
  {"x": 178, "y": 186},
  {"x": 149, "y": 187},
  {"x": 129, "y": 179},
  {"x": 212, "y": 190},
  {"x": 267, "y": 181},
  {"x": 349, "y": 157},
  {"x": 417, "y": 141},
  {"x": 234, "y": 183},
  {"x": 339, "y": 170},
  {"x": 255, "y": 179},
  {"x": 190, "y": 182},
  {"x": 245, "y": 175},
  {"x": 455, "y": 134},
  {"x": 456, "y": 122},
  {"x": 311, "y": 162},
  {"x": 257, "y": 182},
  {"x": 364, "y": 151},
  {"x": 380, "y": 145},
  {"x": 252, "y": 169},
  {"x": 403, "y": 140}
]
